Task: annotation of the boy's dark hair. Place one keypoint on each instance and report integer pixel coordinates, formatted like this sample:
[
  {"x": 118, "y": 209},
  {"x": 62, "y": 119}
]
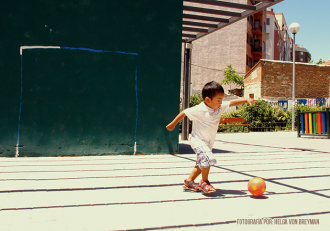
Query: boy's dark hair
[{"x": 211, "y": 89}]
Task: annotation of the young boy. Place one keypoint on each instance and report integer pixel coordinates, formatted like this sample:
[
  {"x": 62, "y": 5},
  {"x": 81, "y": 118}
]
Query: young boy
[{"x": 206, "y": 118}]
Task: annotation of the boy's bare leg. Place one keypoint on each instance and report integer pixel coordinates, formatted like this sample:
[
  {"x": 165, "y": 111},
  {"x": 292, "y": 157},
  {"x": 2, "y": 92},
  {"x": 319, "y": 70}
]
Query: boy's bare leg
[
  {"x": 195, "y": 172},
  {"x": 205, "y": 173},
  {"x": 205, "y": 184}
]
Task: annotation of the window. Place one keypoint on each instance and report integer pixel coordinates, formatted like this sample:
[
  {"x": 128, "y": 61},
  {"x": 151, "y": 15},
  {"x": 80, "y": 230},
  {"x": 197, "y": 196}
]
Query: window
[
  {"x": 249, "y": 61},
  {"x": 249, "y": 40},
  {"x": 267, "y": 36},
  {"x": 250, "y": 18},
  {"x": 268, "y": 21},
  {"x": 301, "y": 53},
  {"x": 301, "y": 59},
  {"x": 257, "y": 24}
]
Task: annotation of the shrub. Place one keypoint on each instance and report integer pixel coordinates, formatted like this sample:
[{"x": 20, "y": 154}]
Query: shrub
[
  {"x": 302, "y": 108},
  {"x": 268, "y": 116},
  {"x": 195, "y": 100},
  {"x": 263, "y": 115},
  {"x": 262, "y": 112}
]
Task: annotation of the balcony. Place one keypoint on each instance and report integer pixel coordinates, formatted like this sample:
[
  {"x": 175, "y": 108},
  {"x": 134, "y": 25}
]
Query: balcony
[
  {"x": 249, "y": 40},
  {"x": 256, "y": 49},
  {"x": 257, "y": 29}
]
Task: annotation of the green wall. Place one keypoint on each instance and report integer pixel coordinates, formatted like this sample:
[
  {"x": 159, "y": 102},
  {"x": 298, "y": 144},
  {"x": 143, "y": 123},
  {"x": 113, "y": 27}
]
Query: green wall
[{"x": 123, "y": 88}]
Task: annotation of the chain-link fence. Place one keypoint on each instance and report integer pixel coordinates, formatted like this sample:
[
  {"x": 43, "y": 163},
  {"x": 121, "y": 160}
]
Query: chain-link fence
[{"x": 258, "y": 127}]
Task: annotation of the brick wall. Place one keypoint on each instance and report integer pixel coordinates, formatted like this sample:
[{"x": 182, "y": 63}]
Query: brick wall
[{"x": 275, "y": 80}]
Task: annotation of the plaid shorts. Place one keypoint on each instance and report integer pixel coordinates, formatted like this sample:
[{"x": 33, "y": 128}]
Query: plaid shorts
[{"x": 205, "y": 157}]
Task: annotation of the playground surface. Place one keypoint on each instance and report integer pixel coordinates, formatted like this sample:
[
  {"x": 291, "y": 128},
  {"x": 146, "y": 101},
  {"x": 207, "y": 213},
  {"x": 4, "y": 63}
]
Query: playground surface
[{"x": 144, "y": 192}]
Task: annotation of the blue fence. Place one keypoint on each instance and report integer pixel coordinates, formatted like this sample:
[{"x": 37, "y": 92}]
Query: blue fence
[{"x": 306, "y": 102}]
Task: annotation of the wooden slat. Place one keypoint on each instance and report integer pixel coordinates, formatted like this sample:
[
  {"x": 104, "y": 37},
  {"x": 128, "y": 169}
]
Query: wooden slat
[
  {"x": 224, "y": 4},
  {"x": 189, "y": 35},
  {"x": 233, "y": 125},
  {"x": 205, "y": 18},
  {"x": 211, "y": 11},
  {"x": 190, "y": 23},
  {"x": 192, "y": 29},
  {"x": 232, "y": 120}
]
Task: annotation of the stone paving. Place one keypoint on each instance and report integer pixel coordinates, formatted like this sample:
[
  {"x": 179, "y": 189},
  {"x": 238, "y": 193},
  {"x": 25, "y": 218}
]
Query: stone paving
[{"x": 144, "y": 192}]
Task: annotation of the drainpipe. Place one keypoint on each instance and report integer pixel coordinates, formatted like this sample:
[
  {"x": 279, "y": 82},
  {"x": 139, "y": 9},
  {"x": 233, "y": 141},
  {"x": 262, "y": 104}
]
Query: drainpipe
[{"x": 186, "y": 89}]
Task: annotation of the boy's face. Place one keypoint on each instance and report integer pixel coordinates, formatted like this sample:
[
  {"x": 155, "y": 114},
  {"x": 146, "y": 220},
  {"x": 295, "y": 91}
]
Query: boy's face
[{"x": 216, "y": 102}]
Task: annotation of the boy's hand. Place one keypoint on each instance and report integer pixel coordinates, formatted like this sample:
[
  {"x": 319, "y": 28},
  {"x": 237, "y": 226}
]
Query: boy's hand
[
  {"x": 170, "y": 126},
  {"x": 251, "y": 101},
  {"x": 177, "y": 119}
]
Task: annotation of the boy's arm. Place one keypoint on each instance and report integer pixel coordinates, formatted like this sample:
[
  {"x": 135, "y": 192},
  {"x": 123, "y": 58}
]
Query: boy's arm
[
  {"x": 237, "y": 102},
  {"x": 176, "y": 120}
]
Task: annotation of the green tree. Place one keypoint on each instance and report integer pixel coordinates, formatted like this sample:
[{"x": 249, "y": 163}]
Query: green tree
[
  {"x": 318, "y": 62},
  {"x": 232, "y": 77},
  {"x": 195, "y": 100}
]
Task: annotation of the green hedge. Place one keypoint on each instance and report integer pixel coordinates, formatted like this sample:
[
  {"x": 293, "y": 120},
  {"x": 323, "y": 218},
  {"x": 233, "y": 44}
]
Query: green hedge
[{"x": 267, "y": 116}]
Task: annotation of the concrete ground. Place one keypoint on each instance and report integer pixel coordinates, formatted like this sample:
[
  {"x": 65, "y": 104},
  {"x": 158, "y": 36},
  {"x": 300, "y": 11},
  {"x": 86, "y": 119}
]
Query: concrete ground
[{"x": 145, "y": 192}]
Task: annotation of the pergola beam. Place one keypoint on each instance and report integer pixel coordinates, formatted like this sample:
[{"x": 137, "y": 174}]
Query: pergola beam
[
  {"x": 205, "y": 18},
  {"x": 194, "y": 29},
  {"x": 190, "y": 23},
  {"x": 223, "y": 4},
  {"x": 269, "y": 1},
  {"x": 211, "y": 11},
  {"x": 189, "y": 35}
]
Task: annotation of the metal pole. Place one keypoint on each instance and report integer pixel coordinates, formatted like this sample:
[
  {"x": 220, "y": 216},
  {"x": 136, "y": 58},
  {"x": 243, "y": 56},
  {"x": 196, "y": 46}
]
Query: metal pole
[
  {"x": 186, "y": 91},
  {"x": 328, "y": 121},
  {"x": 293, "y": 83}
]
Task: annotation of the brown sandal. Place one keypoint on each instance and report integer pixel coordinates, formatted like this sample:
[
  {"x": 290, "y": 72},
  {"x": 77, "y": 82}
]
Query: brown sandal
[
  {"x": 191, "y": 185},
  {"x": 206, "y": 187}
]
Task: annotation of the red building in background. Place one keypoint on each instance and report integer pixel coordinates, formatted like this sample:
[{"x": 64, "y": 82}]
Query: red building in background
[
  {"x": 256, "y": 37},
  {"x": 274, "y": 37}
]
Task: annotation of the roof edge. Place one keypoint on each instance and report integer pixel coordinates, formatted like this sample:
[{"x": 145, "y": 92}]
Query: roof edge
[{"x": 252, "y": 69}]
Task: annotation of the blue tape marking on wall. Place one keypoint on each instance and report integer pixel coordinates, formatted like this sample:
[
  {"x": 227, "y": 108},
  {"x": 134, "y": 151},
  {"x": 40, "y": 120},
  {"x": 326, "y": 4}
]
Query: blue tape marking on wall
[
  {"x": 98, "y": 51},
  {"x": 137, "y": 103},
  {"x": 82, "y": 49},
  {"x": 302, "y": 101},
  {"x": 20, "y": 108}
]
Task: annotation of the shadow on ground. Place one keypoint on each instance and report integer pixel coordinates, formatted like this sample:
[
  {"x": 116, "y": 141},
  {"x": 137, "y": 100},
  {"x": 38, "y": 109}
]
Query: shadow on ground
[
  {"x": 223, "y": 192},
  {"x": 186, "y": 149},
  {"x": 259, "y": 197}
]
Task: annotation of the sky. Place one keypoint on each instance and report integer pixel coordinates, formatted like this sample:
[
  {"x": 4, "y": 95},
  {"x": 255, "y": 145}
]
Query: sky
[{"x": 313, "y": 18}]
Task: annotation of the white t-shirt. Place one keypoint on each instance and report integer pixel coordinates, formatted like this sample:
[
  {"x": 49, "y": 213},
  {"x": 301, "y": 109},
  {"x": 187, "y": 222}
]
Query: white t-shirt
[{"x": 205, "y": 123}]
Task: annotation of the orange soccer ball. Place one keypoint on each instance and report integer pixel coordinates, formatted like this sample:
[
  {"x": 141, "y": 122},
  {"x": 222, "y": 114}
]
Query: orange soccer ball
[{"x": 257, "y": 186}]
